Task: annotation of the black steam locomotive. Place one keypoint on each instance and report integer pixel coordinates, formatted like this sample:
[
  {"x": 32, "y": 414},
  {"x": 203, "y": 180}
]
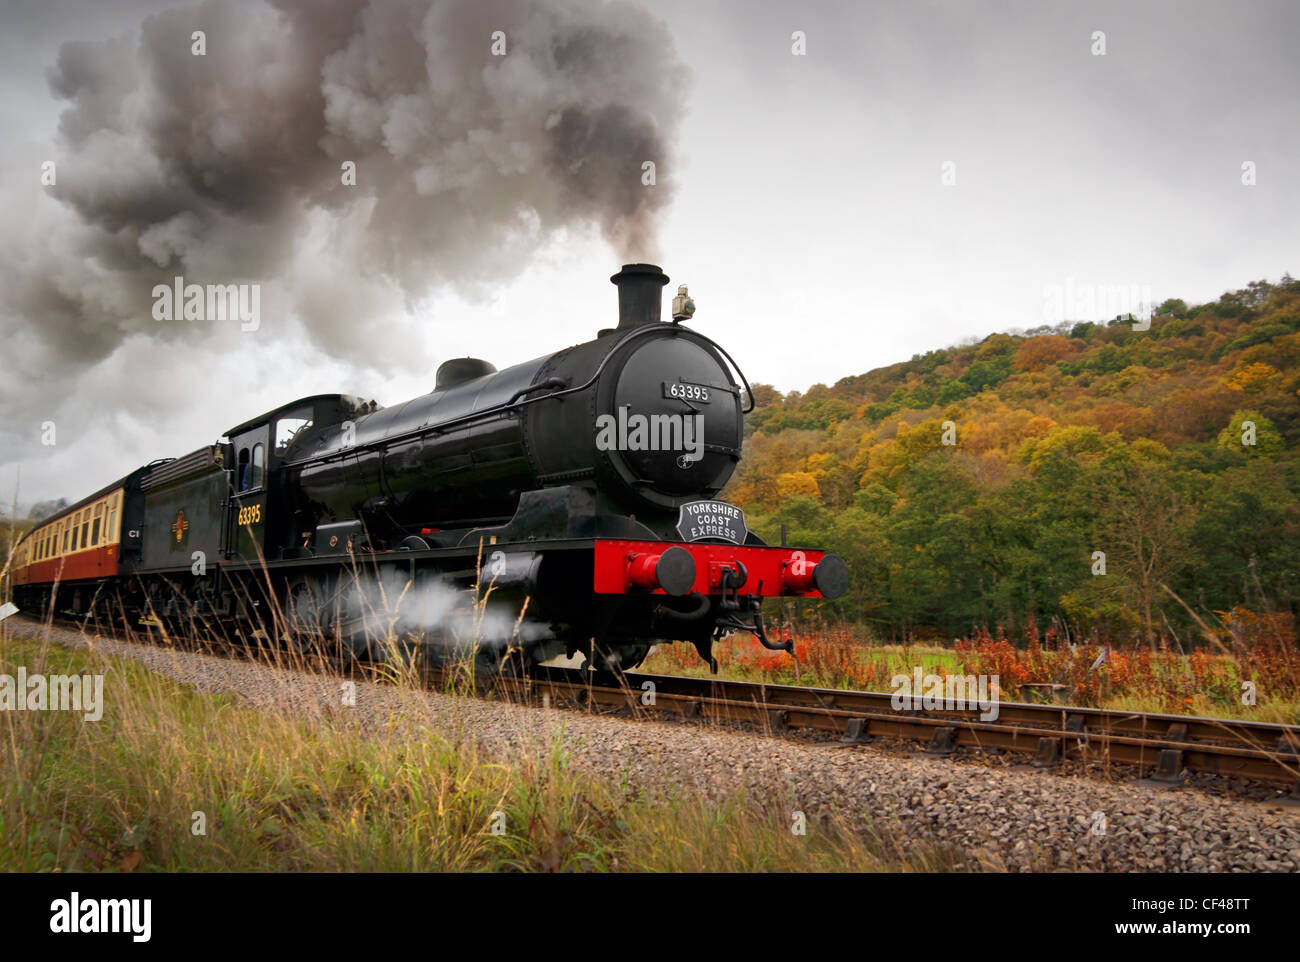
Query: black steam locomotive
[{"x": 560, "y": 506}]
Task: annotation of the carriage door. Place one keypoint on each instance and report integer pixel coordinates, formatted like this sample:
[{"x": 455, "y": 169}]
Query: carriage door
[{"x": 248, "y": 501}]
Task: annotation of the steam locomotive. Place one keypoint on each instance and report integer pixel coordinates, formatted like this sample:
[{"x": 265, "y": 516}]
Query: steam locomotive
[{"x": 562, "y": 506}]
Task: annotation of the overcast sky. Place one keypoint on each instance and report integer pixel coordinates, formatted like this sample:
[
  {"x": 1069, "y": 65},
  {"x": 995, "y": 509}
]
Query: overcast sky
[{"x": 802, "y": 197}]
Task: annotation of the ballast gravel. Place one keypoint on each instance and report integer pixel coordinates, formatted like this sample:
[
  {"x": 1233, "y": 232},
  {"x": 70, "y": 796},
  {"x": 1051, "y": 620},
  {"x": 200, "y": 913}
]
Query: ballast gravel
[{"x": 982, "y": 817}]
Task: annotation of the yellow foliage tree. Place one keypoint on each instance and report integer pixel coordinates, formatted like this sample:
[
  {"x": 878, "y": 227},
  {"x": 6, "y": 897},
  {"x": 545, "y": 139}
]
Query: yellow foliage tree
[
  {"x": 1036, "y": 427},
  {"x": 1255, "y": 378},
  {"x": 1038, "y": 352},
  {"x": 795, "y": 483}
]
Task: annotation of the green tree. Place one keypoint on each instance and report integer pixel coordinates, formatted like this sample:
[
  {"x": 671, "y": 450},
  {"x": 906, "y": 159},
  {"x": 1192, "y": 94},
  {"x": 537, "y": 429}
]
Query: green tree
[
  {"x": 1144, "y": 517},
  {"x": 1251, "y": 426}
]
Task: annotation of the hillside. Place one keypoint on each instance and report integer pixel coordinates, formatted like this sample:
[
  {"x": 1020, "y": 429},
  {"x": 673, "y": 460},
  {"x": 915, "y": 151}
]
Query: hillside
[{"x": 1064, "y": 441}]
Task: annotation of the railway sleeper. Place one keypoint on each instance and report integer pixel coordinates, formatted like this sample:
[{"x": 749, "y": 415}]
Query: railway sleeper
[
  {"x": 856, "y": 732},
  {"x": 1048, "y": 753},
  {"x": 943, "y": 741},
  {"x": 1169, "y": 769}
]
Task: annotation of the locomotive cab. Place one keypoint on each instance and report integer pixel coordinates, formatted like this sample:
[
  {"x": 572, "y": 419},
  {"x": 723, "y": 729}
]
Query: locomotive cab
[{"x": 266, "y": 518}]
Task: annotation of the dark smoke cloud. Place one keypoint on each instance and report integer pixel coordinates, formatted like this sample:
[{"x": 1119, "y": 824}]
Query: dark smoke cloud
[{"x": 227, "y": 167}]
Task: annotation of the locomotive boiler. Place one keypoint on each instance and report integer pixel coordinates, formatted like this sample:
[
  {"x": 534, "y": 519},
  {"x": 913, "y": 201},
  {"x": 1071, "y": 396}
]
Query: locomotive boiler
[
  {"x": 466, "y": 452},
  {"x": 564, "y": 505}
]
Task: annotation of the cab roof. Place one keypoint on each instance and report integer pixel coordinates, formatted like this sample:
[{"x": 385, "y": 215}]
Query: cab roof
[{"x": 344, "y": 401}]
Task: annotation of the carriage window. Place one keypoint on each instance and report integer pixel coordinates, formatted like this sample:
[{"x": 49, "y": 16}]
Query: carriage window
[
  {"x": 288, "y": 428},
  {"x": 85, "y": 531},
  {"x": 94, "y": 533},
  {"x": 259, "y": 462}
]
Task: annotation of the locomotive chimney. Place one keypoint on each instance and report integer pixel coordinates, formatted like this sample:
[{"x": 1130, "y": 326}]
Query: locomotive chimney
[{"x": 640, "y": 295}]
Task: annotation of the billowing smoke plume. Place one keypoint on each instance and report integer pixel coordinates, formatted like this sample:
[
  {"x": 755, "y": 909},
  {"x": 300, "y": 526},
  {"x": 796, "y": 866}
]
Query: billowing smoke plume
[{"x": 471, "y": 148}]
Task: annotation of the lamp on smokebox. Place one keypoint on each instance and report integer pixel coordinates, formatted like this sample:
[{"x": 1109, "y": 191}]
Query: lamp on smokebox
[{"x": 683, "y": 306}]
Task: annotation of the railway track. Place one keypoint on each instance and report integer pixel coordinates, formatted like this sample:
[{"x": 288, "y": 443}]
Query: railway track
[{"x": 1164, "y": 745}]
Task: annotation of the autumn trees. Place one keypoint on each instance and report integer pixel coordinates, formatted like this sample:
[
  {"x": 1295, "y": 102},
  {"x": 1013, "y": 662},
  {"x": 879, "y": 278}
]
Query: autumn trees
[{"x": 1078, "y": 476}]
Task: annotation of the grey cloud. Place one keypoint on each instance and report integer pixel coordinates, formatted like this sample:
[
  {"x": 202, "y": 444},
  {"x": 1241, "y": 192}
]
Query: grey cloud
[{"x": 218, "y": 167}]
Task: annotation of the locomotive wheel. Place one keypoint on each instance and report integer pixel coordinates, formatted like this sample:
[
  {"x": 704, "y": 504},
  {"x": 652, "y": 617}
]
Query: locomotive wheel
[
  {"x": 304, "y": 610},
  {"x": 516, "y": 663},
  {"x": 319, "y": 618},
  {"x": 614, "y": 659},
  {"x": 630, "y": 657}
]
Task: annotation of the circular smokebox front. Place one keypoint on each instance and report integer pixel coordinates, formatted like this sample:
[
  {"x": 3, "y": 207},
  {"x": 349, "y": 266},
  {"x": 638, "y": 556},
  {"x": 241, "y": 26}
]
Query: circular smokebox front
[{"x": 675, "y": 425}]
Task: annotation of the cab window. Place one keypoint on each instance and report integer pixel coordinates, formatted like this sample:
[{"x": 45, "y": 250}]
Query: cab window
[
  {"x": 258, "y": 465},
  {"x": 289, "y": 427}
]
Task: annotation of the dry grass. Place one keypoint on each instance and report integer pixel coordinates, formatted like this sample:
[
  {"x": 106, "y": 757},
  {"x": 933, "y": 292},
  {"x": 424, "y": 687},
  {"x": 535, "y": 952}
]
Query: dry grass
[{"x": 281, "y": 793}]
